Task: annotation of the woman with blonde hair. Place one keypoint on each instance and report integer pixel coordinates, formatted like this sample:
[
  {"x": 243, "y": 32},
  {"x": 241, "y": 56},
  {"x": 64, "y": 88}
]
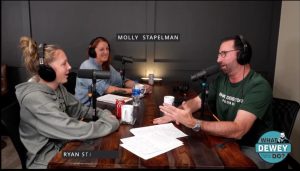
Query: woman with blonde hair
[{"x": 50, "y": 115}]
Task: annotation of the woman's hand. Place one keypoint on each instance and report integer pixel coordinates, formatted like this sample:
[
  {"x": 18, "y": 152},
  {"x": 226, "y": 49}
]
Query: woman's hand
[{"x": 148, "y": 88}]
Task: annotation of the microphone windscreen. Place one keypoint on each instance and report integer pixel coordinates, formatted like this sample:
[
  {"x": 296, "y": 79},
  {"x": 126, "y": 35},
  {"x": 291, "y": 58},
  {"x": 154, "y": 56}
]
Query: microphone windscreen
[
  {"x": 85, "y": 73},
  {"x": 93, "y": 74},
  {"x": 205, "y": 72},
  {"x": 102, "y": 74},
  {"x": 118, "y": 57},
  {"x": 212, "y": 70},
  {"x": 125, "y": 59}
]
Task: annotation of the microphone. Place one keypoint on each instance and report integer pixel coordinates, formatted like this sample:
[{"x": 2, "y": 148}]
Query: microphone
[
  {"x": 93, "y": 74},
  {"x": 124, "y": 59},
  {"x": 206, "y": 72}
]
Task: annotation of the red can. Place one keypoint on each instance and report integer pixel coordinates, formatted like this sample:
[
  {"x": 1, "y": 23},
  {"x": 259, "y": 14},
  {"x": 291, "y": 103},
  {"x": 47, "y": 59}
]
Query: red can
[{"x": 119, "y": 104}]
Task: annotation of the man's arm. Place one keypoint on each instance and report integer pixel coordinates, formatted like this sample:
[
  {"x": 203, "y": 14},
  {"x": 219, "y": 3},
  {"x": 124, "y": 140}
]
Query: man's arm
[
  {"x": 230, "y": 129},
  {"x": 191, "y": 105}
]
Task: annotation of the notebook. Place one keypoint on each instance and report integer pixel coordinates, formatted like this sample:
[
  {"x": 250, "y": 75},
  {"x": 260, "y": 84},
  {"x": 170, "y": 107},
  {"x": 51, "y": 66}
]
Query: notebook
[{"x": 111, "y": 98}]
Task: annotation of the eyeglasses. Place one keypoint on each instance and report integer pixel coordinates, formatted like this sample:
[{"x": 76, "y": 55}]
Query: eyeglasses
[{"x": 224, "y": 53}]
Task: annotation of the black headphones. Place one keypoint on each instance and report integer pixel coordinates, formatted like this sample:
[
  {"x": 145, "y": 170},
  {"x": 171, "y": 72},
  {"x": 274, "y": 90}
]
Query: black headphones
[
  {"x": 91, "y": 50},
  {"x": 45, "y": 71},
  {"x": 245, "y": 51}
]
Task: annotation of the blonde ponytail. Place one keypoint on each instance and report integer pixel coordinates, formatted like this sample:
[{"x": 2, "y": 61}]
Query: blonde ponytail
[{"x": 30, "y": 53}]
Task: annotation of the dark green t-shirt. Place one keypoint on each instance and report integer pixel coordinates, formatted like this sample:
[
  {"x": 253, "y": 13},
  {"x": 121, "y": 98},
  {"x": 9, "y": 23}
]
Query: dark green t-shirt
[{"x": 252, "y": 94}]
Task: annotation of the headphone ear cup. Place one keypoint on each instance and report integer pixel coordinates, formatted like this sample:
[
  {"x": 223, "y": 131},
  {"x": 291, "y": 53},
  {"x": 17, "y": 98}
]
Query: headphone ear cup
[
  {"x": 47, "y": 73},
  {"x": 241, "y": 57},
  {"x": 92, "y": 52},
  {"x": 244, "y": 57}
]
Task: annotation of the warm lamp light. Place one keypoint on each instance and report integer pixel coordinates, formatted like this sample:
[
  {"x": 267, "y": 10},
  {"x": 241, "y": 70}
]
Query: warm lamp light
[
  {"x": 149, "y": 72},
  {"x": 155, "y": 79}
]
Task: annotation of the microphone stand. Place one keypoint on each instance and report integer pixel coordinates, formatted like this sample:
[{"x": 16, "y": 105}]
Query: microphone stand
[
  {"x": 204, "y": 87},
  {"x": 95, "y": 117},
  {"x": 123, "y": 72}
]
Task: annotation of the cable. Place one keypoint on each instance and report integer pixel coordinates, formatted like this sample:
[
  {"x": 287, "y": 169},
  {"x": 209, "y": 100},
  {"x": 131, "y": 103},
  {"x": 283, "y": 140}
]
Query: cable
[{"x": 243, "y": 82}]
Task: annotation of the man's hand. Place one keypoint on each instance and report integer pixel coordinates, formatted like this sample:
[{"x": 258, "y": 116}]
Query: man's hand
[
  {"x": 183, "y": 116},
  {"x": 162, "y": 120}
]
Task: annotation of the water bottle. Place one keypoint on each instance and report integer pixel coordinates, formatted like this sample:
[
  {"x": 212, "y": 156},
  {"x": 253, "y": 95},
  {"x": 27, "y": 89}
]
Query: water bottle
[
  {"x": 136, "y": 95},
  {"x": 151, "y": 79}
]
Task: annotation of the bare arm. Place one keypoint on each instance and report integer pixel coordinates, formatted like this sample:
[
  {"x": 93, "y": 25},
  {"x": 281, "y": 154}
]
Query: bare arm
[
  {"x": 130, "y": 84},
  {"x": 191, "y": 105},
  {"x": 229, "y": 129},
  {"x": 112, "y": 89}
]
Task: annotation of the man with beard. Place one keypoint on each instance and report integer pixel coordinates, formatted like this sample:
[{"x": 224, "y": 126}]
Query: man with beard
[{"x": 240, "y": 98}]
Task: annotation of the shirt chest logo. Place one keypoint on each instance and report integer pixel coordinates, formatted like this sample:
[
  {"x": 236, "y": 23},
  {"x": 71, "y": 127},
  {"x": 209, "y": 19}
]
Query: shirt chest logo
[{"x": 230, "y": 100}]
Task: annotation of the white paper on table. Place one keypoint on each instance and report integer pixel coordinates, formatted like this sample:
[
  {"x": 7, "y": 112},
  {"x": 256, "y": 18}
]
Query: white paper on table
[
  {"x": 111, "y": 98},
  {"x": 150, "y": 145},
  {"x": 167, "y": 129}
]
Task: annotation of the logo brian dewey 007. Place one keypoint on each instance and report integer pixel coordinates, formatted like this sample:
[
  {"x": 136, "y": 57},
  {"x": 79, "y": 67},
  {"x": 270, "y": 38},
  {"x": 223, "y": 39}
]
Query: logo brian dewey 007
[{"x": 273, "y": 146}]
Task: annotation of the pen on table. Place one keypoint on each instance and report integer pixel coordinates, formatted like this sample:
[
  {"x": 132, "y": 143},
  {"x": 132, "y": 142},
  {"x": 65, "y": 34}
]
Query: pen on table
[{"x": 216, "y": 117}]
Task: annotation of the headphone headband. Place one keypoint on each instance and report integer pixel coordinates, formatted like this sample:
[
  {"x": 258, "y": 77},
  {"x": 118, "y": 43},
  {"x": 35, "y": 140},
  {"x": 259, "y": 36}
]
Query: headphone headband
[
  {"x": 93, "y": 41},
  {"x": 245, "y": 50},
  {"x": 243, "y": 42},
  {"x": 41, "y": 53},
  {"x": 45, "y": 71}
]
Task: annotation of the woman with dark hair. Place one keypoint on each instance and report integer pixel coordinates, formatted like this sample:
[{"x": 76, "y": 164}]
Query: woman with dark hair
[{"x": 99, "y": 59}]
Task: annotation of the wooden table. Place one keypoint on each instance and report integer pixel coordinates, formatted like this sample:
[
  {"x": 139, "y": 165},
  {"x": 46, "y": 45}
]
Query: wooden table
[{"x": 200, "y": 150}]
